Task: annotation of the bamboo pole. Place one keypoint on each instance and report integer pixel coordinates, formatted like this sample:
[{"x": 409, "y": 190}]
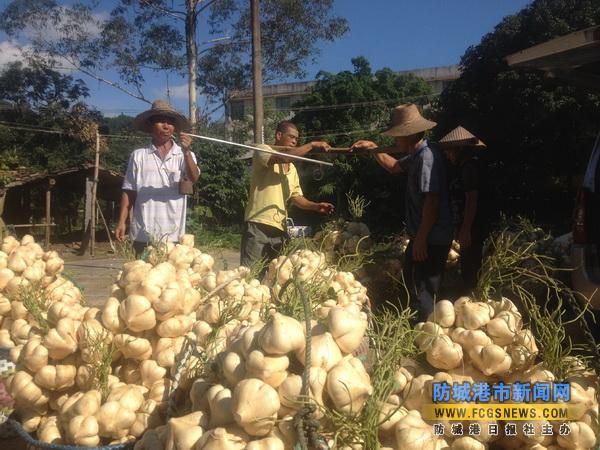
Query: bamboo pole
[
  {"x": 112, "y": 246},
  {"x": 94, "y": 193},
  {"x": 343, "y": 150},
  {"x": 51, "y": 182}
]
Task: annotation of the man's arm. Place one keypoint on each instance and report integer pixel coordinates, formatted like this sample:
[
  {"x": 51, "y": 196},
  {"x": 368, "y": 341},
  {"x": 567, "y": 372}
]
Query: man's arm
[
  {"x": 303, "y": 203},
  {"x": 388, "y": 162},
  {"x": 428, "y": 218},
  {"x": 298, "y": 151},
  {"x": 127, "y": 202}
]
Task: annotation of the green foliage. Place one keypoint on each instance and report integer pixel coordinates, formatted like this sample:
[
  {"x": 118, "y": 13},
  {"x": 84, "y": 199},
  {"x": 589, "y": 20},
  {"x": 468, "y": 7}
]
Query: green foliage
[
  {"x": 41, "y": 98},
  {"x": 222, "y": 189},
  {"x": 119, "y": 149},
  {"x": 38, "y": 88},
  {"x": 290, "y": 31},
  {"x": 364, "y": 102},
  {"x": 539, "y": 131},
  {"x": 142, "y": 37},
  {"x": 209, "y": 233}
]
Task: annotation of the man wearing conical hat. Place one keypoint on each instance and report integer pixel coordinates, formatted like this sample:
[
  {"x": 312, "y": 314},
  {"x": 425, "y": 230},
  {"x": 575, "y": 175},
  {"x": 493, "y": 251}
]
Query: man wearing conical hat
[
  {"x": 152, "y": 181},
  {"x": 427, "y": 213},
  {"x": 468, "y": 202}
]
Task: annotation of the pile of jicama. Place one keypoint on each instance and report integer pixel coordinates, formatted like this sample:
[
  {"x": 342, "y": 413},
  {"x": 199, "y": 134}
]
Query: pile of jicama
[
  {"x": 473, "y": 342},
  {"x": 346, "y": 238},
  {"x": 235, "y": 350}
]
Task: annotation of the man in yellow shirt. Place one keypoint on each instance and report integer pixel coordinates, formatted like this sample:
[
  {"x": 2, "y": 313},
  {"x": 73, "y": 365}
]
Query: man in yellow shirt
[{"x": 275, "y": 182}]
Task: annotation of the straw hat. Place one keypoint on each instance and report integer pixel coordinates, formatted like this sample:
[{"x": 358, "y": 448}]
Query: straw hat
[
  {"x": 160, "y": 108},
  {"x": 407, "y": 120},
  {"x": 461, "y": 137}
]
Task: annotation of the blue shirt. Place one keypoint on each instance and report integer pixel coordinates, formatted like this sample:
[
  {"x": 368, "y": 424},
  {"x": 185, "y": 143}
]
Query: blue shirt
[{"x": 427, "y": 174}]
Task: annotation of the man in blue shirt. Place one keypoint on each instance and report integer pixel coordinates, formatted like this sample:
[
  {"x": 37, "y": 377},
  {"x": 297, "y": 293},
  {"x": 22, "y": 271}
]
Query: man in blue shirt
[{"x": 428, "y": 220}]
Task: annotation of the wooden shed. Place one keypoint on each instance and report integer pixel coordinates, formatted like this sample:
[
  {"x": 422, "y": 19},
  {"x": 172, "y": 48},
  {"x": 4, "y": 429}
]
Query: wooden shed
[{"x": 31, "y": 199}]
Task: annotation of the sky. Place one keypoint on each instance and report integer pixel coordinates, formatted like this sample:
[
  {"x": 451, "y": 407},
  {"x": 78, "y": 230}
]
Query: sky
[{"x": 399, "y": 34}]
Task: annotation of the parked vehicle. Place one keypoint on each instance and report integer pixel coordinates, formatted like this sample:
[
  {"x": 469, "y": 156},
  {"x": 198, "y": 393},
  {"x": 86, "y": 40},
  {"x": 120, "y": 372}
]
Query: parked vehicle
[{"x": 585, "y": 252}]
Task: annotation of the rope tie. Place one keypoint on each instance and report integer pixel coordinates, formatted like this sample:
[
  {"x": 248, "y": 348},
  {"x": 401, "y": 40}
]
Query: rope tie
[
  {"x": 306, "y": 427},
  {"x": 184, "y": 355}
]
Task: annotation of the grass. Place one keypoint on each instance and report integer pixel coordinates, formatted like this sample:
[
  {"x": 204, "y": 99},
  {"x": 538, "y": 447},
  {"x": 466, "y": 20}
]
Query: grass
[
  {"x": 102, "y": 351},
  {"x": 125, "y": 250},
  {"x": 516, "y": 270},
  {"x": 391, "y": 340},
  {"x": 217, "y": 237},
  {"x": 357, "y": 204},
  {"x": 33, "y": 297}
]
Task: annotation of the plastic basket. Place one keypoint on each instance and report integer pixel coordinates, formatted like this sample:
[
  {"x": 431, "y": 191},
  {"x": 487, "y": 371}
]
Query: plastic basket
[
  {"x": 298, "y": 231},
  {"x": 35, "y": 444}
]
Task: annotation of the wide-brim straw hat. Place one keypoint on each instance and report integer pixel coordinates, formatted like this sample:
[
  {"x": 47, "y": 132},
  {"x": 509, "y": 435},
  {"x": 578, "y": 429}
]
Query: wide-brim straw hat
[
  {"x": 461, "y": 137},
  {"x": 160, "y": 108},
  {"x": 407, "y": 120}
]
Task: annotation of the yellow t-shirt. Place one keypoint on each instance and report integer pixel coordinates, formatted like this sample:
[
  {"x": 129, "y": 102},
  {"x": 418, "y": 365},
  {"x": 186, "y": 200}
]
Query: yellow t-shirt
[{"x": 270, "y": 190}]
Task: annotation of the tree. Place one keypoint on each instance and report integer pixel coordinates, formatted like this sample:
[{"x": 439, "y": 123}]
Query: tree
[
  {"x": 37, "y": 97},
  {"x": 222, "y": 192},
  {"x": 290, "y": 30},
  {"x": 538, "y": 130},
  {"x": 353, "y": 105},
  {"x": 153, "y": 35}
]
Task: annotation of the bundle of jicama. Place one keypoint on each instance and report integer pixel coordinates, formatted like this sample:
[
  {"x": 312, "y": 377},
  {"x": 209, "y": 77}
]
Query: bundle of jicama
[
  {"x": 30, "y": 284},
  {"x": 475, "y": 342},
  {"x": 311, "y": 267},
  {"x": 345, "y": 238},
  {"x": 260, "y": 388}
]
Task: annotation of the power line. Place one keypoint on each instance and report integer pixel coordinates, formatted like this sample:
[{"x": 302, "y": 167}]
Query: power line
[
  {"x": 353, "y": 104},
  {"x": 33, "y": 129},
  {"x": 12, "y": 125},
  {"x": 342, "y": 133}
]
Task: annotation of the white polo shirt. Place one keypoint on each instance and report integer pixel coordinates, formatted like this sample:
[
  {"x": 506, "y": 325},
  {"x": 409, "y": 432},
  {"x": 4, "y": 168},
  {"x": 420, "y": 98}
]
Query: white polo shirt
[{"x": 159, "y": 209}]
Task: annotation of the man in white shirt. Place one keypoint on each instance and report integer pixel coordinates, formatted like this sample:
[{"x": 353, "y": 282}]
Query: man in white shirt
[{"x": 153, "y": 177}]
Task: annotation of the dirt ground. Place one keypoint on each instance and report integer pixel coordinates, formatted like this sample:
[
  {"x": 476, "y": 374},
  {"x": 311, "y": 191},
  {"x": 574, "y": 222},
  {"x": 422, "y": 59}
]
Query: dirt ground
[{"x": 95, "y": 274}]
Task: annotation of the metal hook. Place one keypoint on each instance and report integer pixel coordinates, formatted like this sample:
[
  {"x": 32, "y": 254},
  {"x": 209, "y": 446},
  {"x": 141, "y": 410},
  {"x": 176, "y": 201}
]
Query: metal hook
[{"x": 318, "y": 173}]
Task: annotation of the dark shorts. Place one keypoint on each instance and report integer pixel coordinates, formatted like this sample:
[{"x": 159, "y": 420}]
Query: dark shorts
[
  {"x": 139, "y": 247},
  {"x": 260, "y": 241}
]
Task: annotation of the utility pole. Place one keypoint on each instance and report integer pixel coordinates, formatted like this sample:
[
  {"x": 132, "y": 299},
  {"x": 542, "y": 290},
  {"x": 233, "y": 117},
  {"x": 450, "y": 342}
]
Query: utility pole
[
  {"x": 191, "y": 47},
  {"x": 257, "y": 72}
]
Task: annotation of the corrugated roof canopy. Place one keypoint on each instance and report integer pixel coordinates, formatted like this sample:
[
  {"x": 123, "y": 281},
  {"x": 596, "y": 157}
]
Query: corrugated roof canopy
[{"x": 574, "y": 57}]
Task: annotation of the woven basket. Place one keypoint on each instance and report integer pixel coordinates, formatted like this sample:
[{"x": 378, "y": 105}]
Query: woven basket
[
  {"x": 7, "y": 368},
  {"x": 35, "y": 444}
]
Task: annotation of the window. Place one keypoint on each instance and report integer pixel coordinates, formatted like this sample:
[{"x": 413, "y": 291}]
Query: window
[{"x": 282, "y": 103}]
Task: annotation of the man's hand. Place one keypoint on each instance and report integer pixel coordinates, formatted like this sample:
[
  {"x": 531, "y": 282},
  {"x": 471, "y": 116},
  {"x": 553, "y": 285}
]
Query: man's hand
[
  {"x": 120, "y": 231},
  {"x": 419, "y": 249},
  {"x": 186, "y": 141},
  {"x": 320, "y": 145},
  {"x": 363, "y": 145},
  {"x": 325, "y": 208}
]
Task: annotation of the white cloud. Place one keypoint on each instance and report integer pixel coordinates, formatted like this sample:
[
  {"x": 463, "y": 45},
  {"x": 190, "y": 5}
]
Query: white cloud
[
  {"x": 50, "y": 32},
  {"x": 10, "y": 52}
]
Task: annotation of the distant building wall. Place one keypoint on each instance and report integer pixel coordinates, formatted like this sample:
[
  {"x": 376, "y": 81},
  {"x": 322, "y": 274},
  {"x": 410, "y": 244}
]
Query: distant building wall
[{"x": 282, "y": 96}]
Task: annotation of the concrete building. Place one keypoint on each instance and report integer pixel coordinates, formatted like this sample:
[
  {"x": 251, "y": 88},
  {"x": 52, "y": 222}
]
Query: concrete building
[{"x": 281, "y": 97}]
